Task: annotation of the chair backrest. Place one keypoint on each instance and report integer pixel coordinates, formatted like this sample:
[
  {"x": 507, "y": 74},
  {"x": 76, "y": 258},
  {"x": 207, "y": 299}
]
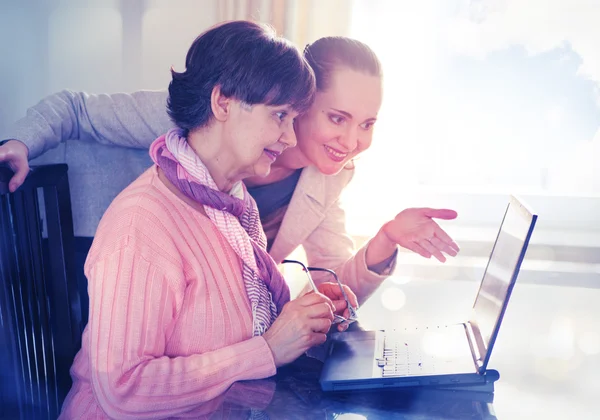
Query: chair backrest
[{"x": 40, "y": 330}]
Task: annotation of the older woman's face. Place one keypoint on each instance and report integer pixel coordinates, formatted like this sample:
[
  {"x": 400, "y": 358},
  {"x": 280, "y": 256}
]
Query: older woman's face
[
  {"x": 339, "y": 125},
  {"x": 258, "y": 134}
]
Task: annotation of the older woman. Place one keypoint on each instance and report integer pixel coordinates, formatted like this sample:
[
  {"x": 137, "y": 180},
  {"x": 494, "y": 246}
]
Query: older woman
[{"x": 184, "y": 299}]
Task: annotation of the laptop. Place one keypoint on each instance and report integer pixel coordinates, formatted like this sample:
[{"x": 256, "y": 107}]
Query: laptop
[{"x": 441, "y": 356}]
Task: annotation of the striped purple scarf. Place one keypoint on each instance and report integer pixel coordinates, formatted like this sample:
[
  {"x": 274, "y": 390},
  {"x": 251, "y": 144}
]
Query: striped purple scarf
[{"x": 236, "y": 216}]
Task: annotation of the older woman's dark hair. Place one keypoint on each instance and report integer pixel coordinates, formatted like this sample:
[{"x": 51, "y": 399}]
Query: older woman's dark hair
[
  {"x": 249, "y": 63},
  {"x": 335, "y": 52}
]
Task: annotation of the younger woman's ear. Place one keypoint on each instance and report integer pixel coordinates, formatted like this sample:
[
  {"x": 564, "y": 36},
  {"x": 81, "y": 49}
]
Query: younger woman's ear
[{"x": 220, "y": 104}]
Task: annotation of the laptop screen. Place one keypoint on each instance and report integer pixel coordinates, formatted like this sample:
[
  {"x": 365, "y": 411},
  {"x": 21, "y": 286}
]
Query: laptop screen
[{"x": 500, "y": 274}]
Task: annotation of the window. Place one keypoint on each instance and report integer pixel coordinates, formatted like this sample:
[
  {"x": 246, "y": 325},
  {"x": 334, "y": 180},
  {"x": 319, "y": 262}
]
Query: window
[
  {"x": 483, "y": 99},
  {"x": 478, "y": 102}
]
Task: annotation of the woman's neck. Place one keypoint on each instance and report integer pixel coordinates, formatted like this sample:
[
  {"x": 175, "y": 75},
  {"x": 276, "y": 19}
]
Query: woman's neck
[
  {"x": 214, "y": 158},
  {"x": 292, "y": 158},
  {"x": 277, "y": 174},
  {"x": 289, "y": 162}
]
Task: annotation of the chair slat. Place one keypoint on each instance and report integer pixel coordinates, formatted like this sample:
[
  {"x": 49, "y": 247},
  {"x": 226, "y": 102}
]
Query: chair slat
[{"x": 40, "y": 315}]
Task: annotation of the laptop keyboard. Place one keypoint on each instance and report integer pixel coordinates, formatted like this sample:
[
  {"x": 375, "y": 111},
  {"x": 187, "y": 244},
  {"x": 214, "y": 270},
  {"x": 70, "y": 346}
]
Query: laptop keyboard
[
  {"x": 403, "y": 353},
  {"x": 402, "y": 357}
]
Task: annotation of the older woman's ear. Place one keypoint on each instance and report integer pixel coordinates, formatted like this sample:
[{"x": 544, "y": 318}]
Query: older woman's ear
[{"x": 220, "y": 104}]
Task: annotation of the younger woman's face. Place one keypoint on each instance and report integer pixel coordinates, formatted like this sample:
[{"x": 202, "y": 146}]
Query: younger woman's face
[{"x": 339, "y": 125}]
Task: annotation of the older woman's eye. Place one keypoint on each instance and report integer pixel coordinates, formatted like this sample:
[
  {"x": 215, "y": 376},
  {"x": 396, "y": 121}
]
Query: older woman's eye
[{"x": 336, "y": 119}]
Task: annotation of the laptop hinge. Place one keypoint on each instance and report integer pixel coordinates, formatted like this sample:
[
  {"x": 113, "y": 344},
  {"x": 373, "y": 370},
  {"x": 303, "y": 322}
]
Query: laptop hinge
[{"x": 477, "y": 358}]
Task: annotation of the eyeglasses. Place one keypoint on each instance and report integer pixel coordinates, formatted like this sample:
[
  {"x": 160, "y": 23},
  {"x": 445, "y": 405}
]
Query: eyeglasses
[{"x": 338, "y": 319}]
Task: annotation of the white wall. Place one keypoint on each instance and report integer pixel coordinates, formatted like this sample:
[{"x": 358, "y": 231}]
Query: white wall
[{"x": 92, "y": 45}]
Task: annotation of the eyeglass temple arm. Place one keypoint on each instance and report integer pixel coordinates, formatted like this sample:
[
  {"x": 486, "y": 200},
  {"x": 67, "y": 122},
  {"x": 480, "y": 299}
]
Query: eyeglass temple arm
[
  {"x": 306, "y": 270},
  {"x": 333, "y": 273}
]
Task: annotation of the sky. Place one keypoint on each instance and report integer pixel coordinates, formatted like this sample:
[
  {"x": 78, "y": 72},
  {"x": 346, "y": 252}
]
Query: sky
[
  {"x": 488, "y": 94},
  {"x": 551, "y": 49}
]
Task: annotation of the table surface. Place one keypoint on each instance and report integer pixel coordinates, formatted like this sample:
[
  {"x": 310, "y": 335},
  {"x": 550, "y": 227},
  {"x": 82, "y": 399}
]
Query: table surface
[{"x": 547, "y": 353}]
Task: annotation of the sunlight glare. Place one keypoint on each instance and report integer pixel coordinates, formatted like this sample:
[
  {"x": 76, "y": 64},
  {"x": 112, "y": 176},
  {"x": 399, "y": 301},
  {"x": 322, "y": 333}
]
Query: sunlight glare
[
  {"x": 589, "y": 343},
  {"x": 437, "y": 344},
  {"x": 350, "y": 416},
  {"x": 393, "y": 299}
]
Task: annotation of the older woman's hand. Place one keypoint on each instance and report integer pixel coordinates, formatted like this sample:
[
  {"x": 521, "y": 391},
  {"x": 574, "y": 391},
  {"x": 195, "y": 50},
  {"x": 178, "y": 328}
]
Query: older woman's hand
[
  {"x": 15, "y": 154},
  {"x": 414, "y": 229},
  {"x": 302, "y": 324},
  {"x": 333, "y": 292}
]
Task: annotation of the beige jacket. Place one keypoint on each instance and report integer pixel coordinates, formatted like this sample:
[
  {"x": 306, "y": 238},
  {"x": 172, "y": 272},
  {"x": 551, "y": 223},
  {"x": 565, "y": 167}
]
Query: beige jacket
[{"x": 316, "y": 220}]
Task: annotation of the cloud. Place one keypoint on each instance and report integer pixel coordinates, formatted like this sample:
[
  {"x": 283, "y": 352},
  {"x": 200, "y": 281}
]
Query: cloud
[
  {"x": 479, "y": 27},
  {"x": 577, "y": 171}
]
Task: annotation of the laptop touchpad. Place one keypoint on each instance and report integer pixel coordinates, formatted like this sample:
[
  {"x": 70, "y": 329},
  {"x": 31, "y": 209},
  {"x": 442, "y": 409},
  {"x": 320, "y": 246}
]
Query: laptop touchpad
[{"x": 351, "y": 356}]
